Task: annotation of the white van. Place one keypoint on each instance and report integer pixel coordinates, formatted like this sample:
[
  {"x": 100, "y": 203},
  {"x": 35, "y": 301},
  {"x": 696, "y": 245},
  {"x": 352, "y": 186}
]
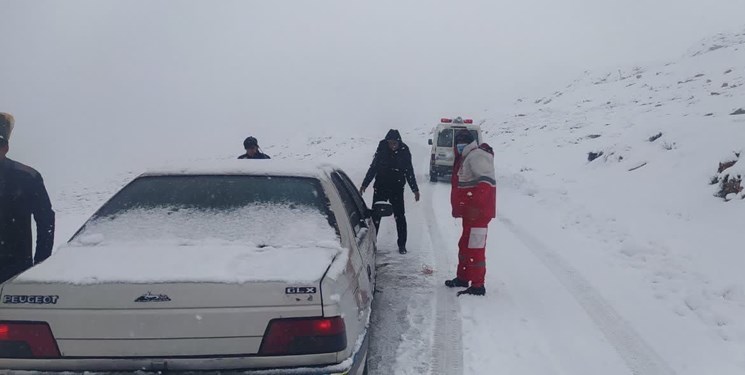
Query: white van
[{"x": 442, "y": 156}]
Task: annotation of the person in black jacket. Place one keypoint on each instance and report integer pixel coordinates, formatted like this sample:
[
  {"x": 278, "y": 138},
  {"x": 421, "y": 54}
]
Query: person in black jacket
[
  {"x": 391, "y": 168},
  {"x": 22, "y": 194},
  {"x": 251, "y": 145}
]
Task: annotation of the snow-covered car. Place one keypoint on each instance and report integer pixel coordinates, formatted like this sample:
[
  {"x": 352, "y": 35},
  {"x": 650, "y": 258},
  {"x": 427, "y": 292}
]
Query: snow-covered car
[
  {"x": 239, "y": 265},
  {"x": 442, "y": 156}
]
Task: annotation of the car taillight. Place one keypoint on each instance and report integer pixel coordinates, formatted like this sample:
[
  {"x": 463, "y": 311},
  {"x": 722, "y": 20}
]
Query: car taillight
[
  {"x": 27, "y": 340},
  {"x": 304, "y": 336}
]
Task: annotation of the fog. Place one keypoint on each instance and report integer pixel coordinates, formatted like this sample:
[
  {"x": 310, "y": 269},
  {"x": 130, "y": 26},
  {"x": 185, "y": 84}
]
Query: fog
[{"x": 115, "y": 85}]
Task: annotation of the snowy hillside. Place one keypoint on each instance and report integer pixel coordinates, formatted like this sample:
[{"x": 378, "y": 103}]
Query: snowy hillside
[{"x": 677, "y": 120}]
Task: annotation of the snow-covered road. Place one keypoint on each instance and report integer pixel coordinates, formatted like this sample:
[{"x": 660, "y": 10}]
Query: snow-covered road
[
  {"x": 538, "y": 317},
  {"x": 558, "y": 301},
  {"x": 541, "y": 315},
  {"x": 416, "y": 326}
]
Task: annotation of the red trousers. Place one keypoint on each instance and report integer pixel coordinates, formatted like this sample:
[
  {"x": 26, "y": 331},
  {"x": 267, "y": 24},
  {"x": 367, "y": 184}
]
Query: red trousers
[{"x": 472, "y": 251}]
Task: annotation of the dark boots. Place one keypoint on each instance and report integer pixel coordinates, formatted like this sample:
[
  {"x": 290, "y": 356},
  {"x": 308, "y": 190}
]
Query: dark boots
[
  {"x": 473, "y": 290},
  {"x": 456, "y": 283}
]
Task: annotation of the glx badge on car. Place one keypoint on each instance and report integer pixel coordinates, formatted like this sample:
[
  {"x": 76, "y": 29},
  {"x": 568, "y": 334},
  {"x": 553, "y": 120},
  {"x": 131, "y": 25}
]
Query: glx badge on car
[
  {"x": 149, "y": 297},
  {"x": 300, "y": 290}
]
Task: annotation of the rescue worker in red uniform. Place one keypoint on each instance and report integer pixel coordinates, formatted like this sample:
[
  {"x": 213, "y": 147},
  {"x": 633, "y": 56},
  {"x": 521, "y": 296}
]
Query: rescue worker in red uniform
[{"x": 473, "y": 197}]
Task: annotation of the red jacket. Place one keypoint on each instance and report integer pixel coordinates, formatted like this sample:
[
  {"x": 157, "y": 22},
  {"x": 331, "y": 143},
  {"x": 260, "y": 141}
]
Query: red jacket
[{"x": 473, "y": 193}]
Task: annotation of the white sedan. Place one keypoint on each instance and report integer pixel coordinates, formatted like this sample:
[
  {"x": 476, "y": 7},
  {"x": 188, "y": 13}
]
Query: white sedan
[{"x": 251, "y": 265}]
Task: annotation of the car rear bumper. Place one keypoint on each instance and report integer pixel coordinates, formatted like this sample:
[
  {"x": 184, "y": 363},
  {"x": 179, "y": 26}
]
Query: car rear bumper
[
  {"x": 247, "y": 365},
  {"x": 165, "y": 364}
]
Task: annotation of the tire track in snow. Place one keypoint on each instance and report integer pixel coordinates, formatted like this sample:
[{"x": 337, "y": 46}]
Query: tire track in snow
[
  {"x": 640, "y": 358},
  {"x": 403, "y": 317},
  {"x": 447, "y": 347}
]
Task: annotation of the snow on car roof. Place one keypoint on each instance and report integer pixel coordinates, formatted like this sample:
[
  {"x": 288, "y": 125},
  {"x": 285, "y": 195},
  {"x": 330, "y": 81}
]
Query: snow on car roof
[{"x": 247, "y": 167}]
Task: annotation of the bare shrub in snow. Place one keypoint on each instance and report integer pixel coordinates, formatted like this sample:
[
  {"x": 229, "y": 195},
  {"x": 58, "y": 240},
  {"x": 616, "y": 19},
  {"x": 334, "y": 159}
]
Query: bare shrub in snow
[
  {"x": 655, "y": 137},
  {"x": 637, "y": 167},
  {"x": 729, "y": 178},
  {"x": 730, "y": 185},
  {"x": 669, "y": 146},
  {"x": 594, "y": 155},
  {"x": 725, "y": 165}
]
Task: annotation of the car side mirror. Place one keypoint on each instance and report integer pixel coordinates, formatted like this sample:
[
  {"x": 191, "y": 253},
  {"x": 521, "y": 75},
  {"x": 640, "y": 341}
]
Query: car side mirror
[
  {"x": 429, "y": 142},
  {"x": 382, "y": 209}
]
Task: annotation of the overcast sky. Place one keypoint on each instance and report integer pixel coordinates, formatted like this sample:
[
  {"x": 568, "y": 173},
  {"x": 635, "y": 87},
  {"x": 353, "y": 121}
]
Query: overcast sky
[{"x": 100, "y": 84}]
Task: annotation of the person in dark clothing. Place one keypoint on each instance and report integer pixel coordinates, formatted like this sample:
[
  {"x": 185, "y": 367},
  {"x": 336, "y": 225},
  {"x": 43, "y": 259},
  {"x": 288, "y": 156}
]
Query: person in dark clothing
[
  {"x": 391, "y": 168},
  {"x": 22, "y": 194},
  {"x": 251, "y": 145}
]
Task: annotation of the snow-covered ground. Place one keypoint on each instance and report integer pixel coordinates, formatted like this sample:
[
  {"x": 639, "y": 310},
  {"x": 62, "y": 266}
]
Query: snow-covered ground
[{"x": 627, "y": 264}]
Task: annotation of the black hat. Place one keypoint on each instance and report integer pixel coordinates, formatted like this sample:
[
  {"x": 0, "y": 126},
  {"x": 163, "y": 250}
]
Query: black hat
[
  {"x": 393, "y": 135},
  {"x": 464, "y": 136},
  {"x": 250, "y": 142}
]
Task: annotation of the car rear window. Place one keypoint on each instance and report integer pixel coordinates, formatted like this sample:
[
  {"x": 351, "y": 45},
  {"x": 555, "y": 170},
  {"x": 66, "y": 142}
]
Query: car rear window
[
  {"x": 215, "y": 192},
  {"x": 263, "y": 209}
]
